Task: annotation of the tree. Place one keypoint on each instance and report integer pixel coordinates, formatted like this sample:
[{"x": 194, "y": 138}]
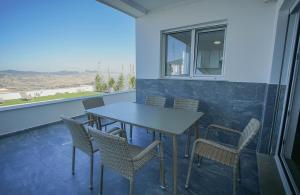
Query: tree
[
  {"x": 120, "y": 83},
  {"x": 104, "y": 86},
  {"x": 111, "y": 83},
  {"x": 100, "y": 85},
  {"x": 97, "y": 82},
  {"x": 132, "y": 82}
]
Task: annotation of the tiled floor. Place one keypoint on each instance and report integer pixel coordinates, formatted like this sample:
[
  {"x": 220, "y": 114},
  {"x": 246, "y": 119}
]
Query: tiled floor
[{"x": 39, "y": 162}]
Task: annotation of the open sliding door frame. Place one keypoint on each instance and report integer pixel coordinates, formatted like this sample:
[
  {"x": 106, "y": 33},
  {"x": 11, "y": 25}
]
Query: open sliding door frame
[{"x": 284, "y": 171}]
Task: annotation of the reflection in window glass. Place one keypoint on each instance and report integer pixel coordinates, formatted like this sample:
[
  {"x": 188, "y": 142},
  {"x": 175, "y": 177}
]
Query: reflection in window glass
[
  {"x": 178, "y": 52},
  {"x": 209, "y": 54}
]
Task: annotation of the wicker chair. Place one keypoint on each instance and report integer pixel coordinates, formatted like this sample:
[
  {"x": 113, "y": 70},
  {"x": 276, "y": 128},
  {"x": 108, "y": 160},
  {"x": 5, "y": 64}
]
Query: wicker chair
[
  {"x": 191, "y": 105},
  {"x": 223, "y": 154},
  {"x": 82, "y": 141},
  {"x": 126, "y": 159},
  {"x": 95, "y": 102},
  {"x": 155, "y": 101},
  {"x": 158, "y": 101}
]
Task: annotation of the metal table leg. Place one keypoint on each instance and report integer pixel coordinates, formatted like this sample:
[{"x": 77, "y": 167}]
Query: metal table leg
[{"x": 175, "y": 164}]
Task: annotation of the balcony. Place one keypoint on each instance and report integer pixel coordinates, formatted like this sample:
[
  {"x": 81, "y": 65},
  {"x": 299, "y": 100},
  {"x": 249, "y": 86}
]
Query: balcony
[{"x": 237, "y": 58}]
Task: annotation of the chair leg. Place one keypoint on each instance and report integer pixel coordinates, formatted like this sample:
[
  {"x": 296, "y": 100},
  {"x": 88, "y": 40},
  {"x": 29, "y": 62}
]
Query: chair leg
[
  {"x": 101, "y": 179},
  {"x": 131, "y": 189},
  {"x": 199, "y": 159},
  {"x": 130, "y": 133},
  {"x": 234, "y": 180},
  {"x": 73, "y": 161},
  {"x": 239, "y": 171},
  {"x": 236, "y": 173},
  {"x": 190, "y": 166},
  {"x": 98, "y": 124},
  {"x": 187, "y": 145},
  {"x": 91, "y": 171},
  {"x": 90, "y": 118},
  {"x": 162, "y": 167}
]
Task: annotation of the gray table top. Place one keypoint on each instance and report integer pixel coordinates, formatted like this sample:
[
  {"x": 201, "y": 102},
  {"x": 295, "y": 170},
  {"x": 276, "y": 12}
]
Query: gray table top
[{"x": 167, "y": 120}]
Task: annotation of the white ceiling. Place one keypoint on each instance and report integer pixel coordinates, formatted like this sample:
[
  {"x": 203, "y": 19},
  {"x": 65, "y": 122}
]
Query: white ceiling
[
  {"x": 154, "y": 4},
  {"x": 138, "y": 8}
]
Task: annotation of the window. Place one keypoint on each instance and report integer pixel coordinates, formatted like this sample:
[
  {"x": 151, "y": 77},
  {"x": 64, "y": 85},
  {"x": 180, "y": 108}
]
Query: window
[
  {"x": 209, "y": 52},
  {"x": 178, "y": 53},
  {"x": 193, "y": 52}
]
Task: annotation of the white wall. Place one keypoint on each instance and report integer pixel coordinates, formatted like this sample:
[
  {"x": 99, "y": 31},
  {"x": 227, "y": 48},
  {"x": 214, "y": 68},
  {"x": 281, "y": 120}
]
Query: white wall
[
  {"x": 28, "y": 116},
  {"x": 249, "y": 41}
]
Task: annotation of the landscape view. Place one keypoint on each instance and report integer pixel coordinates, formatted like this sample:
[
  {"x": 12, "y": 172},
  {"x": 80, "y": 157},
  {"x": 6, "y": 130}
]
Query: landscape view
[
  {"x": 19, "y": 87},
  {"x": 48, "y": 52}
]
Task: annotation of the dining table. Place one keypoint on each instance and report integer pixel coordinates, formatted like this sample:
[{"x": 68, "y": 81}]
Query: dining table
[{"x": 168, "y": 121}]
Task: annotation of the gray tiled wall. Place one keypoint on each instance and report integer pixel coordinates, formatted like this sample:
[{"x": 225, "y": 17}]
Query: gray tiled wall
[
  {"x": 278, "y": 117},
  {"x": 228, "y": 103},
  {"x": 268, "y": 115}
]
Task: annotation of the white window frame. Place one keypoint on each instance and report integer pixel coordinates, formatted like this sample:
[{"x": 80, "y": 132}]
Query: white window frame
[
  {"x": 220, "y": 25},
  {"x": 164, "y": 51}
]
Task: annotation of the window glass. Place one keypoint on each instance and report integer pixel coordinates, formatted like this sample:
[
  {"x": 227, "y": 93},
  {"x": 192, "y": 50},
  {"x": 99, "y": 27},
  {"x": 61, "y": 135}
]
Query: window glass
[
  {"x": 178, "y": 53},
  {"x": 209, "y": 52}
]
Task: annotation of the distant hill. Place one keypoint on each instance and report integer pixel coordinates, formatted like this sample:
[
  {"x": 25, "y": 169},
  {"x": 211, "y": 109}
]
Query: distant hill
[
  {"x": 16, "y": 81},
  {"x": 18, "y": 72}
]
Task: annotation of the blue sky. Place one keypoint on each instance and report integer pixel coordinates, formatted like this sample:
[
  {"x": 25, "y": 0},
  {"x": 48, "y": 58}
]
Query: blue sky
[{"x": 54, "y": 35}]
